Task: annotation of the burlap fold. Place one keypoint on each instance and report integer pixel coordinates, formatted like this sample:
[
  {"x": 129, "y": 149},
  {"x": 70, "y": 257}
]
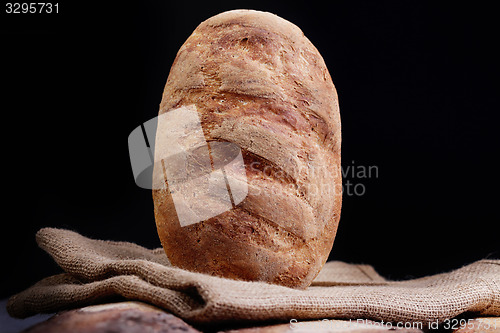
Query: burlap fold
[{"x": 96, "y": 271}]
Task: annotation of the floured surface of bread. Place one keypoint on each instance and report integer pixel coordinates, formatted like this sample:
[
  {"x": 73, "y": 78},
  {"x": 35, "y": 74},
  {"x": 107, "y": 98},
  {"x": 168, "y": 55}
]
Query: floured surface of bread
[{"x": 258, "y": 82}]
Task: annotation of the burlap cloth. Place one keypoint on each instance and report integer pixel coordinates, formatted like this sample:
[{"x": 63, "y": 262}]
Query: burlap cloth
[{"x": 97, "y": 271}]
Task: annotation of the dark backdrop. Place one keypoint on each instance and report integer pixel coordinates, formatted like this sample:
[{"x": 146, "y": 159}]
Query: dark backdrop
[{"x": 418, "y": 89}]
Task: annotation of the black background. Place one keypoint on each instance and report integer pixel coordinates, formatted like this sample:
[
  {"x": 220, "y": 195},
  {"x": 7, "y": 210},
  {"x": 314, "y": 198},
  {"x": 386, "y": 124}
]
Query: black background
[{"x": 418, "y": 89}]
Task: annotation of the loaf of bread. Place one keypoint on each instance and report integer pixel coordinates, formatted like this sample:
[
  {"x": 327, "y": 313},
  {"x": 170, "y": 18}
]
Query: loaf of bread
[{"x": 257, "y": 82}]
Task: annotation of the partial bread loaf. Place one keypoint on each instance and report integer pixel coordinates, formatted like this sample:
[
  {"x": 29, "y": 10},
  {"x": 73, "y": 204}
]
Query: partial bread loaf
[{"x": 258, "y": 82}]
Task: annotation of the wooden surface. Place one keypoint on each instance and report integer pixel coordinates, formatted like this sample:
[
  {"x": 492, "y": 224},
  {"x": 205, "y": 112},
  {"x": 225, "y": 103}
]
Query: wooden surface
[{"x": 132, "y": 317}]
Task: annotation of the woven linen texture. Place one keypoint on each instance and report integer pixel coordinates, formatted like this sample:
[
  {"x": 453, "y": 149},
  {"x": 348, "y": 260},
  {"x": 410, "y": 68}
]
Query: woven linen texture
[{"x": 97, "y": 271}]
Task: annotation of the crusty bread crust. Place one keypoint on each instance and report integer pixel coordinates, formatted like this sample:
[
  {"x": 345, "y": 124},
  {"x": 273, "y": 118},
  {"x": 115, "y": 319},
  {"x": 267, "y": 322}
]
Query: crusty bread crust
[{"x": 258, "y": 82}]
